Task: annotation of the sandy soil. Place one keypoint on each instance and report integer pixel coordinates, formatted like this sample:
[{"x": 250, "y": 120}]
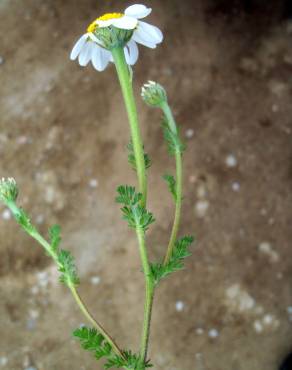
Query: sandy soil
[{"x": 63, "y": 132}]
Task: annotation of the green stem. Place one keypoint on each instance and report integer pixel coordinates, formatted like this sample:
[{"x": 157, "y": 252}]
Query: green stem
[
  {"x": 127, "y": 90},
  {"x": 179, "y": 185},
  {"x": 149, "y": 294},
  {"x": 93, "y": 322},
  {"x": 178, "y": 205}
]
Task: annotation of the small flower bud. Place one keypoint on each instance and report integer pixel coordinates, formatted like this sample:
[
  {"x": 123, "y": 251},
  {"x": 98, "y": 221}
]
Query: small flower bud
[
  {"x": 8, "y": 189},
  {"x": 153, "y": 94}
]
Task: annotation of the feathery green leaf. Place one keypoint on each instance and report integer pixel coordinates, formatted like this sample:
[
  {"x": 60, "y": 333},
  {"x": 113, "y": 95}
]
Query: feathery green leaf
[
  {"x": 132, "y": 160},
  {"x": 55, "y": 237},
  {"x": 175, "y": 263},
  {"x": 128, "y": 196},
  {"x": 67, "y": 268},
  {"x": 171, "y": 182},
  {"x": 23, "y": 219},
  {"x": 136, "y": 215},
  {"x": 173, "y": 141}
]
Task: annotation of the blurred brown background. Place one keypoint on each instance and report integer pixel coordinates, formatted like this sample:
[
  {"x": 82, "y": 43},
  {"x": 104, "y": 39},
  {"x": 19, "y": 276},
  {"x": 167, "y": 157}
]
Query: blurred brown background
[{"x": 227, "y": 67}]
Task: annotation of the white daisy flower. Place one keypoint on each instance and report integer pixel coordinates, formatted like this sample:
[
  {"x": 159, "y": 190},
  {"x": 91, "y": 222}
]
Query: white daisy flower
[{"x": 90, "y": 48}]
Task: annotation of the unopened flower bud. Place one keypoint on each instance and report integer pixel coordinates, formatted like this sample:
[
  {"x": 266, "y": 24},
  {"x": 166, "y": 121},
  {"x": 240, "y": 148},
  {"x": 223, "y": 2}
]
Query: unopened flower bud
[
  {"x": 153, "y": 94},
  {"x": 8, "y": 189}
]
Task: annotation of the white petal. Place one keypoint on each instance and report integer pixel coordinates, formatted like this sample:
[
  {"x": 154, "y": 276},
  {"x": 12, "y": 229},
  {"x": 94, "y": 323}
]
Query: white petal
[
  {"x": 154, "y": 34},
  {"x": 85, "y": 55},
  {"x": 77, "y": 47},
  {"x": 131, "y": 52},
  {"x": 103, "y": 24},
  {"x": 96, "y": 58},
  {"x": 140, "y": 40},
  {"x": 125, "y": 23},
  {"x": 138, "y": 11},
  {"x": 100, "y": 58}
]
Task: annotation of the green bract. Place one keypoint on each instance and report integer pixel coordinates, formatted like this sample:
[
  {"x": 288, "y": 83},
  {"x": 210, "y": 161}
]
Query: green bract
[{"x": 112, "y": 37}]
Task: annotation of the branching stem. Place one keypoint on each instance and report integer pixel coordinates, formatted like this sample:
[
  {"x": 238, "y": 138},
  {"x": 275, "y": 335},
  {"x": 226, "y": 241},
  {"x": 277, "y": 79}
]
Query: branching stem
[{"x": 42, "y": 241}]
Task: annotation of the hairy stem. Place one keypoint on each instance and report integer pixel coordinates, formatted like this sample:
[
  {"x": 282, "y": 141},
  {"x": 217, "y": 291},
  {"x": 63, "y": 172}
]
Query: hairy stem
[
  {"x": 149, "y": 294},
  {"x": 178, "y": 205},
  {"x": 127, "y": 90},
  {"x": 179, "y": 184}
]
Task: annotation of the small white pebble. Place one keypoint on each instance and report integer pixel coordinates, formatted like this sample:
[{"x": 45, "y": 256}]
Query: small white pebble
[
  {"x": 275, "y": 108},
  {"x": 179, "y": 306},
  {"x": 1, "y": 60},
  {"x": 6, "y": 214},
  {"x": 201, "y": 208},
  {"x": 213, "y": 333},
  {"x": 95, "y": 280},
  {"x": 258, "y": 327},
  {"x": 189, "y": 133},
  {"x": 3, "y": 361},
  {"x": 235, "y": 186},
  {"x": 231, "y": 161},
  {"x": 199, "y": 331},
  {"x": 93, "y": 183},
  {"x": 268, "y": 319}
]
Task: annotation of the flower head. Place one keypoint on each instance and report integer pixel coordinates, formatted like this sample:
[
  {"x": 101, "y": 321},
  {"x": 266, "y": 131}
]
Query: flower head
[
  {"x": 153, "y": 94},
  {"x": 116, "y": 29},
  {"x": 8, "y": 189}
]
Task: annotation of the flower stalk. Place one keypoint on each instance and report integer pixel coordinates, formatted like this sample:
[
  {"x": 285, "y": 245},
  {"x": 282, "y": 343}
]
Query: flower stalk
[
  {"x": 179, "y": 183},
  {"x": 127, "y": 90}
]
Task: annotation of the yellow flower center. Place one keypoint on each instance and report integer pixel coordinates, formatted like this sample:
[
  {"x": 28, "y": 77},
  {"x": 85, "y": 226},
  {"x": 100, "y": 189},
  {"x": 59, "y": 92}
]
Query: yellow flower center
[{"x": 106, "y": 17}]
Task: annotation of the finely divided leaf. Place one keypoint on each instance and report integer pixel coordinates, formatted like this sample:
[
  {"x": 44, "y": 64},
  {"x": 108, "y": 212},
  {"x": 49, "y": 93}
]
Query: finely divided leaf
[
  {"x": 136, "y": 215},
  {"x": 173, "y": 141},
  {"x": 127, "y": 195},
  {"x": 132, "y": 160},
  {"x": 67, "y": 268},
  {"x": 23, "y": 219},
  {"x": 171, "y": 185},
  {"x": 89, "y": 338},
  {"x": 130, "y": 361},
  {"x": 175, "y": 263},
  {"x": 94, "y": 342},
  {"x": 55, "y": 237}
]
